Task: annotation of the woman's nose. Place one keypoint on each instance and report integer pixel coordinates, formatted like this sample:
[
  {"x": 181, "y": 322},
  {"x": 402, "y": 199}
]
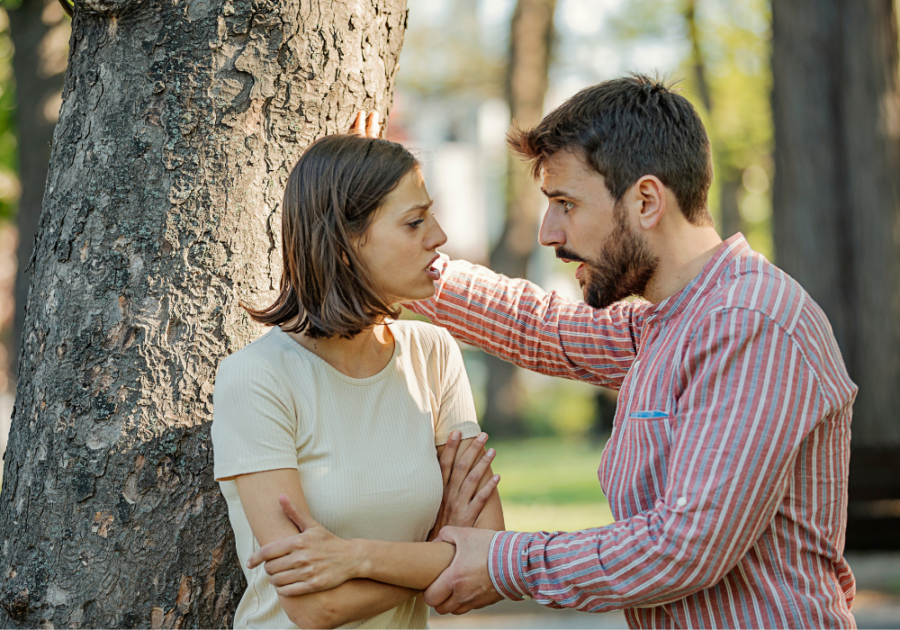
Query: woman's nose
[{"x": 437, "y": 237}]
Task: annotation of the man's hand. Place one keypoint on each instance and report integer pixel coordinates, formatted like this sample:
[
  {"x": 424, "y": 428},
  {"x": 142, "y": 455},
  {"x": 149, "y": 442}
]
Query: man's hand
[
  {"x": 366, "y": 126},
  {"x": 466, "y": 584},
  {"x": 311, "y": 561}
]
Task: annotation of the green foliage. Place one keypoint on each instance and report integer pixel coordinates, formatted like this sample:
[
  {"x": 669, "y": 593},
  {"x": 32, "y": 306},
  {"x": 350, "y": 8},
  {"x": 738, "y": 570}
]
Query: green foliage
[
  {"x": 9, "y": 166},
  {"x": 551, "y": 484}
]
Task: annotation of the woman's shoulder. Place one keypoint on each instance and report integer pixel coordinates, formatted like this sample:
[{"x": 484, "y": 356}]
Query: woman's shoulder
[
  {"x": 424, "y": 338},
  {"x": 262, "y": 356}
]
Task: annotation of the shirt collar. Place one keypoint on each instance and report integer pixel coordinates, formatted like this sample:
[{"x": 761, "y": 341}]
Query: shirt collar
[{"x": 713, "y": 270}]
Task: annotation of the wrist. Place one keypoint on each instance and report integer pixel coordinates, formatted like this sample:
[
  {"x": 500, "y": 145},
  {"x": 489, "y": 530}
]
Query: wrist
[{"x": 361, "y": 554}]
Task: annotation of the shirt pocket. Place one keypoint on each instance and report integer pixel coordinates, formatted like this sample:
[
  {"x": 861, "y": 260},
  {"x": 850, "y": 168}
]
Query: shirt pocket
[{"x": 640, "y": 463}]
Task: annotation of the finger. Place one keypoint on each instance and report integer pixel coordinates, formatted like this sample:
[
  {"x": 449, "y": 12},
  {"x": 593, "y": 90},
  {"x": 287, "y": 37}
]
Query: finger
[
  {"x": 270, "y": 552},
  {"x": 473, "y": 479},
  {"x": 301, "y": 519},
  {"x": 358, "y": 126},
  {"x": 439, "y": 591},
  {"x": 287, "y": 562},
  {"x": 286, "y": 578},
  {"x": 296, "y": 589},
  {"x": 464, "y": 464},
  {"x": 481, "y": 498},
  {"x": 448, "y": 455},
  {"x": 373, "y": 125},
  {"x": 448, "y": 605}
]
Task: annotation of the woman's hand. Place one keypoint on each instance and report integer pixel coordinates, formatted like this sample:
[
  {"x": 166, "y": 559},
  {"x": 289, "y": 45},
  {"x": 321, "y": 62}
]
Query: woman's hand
[
  {"x": 463, "y": 501},
  {"x": 366, "y": 126},
  {"x": 311, "y": 561}
]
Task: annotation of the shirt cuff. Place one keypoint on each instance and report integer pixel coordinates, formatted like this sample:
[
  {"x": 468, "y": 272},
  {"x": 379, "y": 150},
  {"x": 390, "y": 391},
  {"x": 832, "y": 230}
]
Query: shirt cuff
[{"x": 506, "y": 565}]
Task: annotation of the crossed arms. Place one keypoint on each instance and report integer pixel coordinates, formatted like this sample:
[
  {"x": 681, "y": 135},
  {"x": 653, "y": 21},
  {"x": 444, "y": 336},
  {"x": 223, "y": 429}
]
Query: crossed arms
[{"x": 324, "y": 581}]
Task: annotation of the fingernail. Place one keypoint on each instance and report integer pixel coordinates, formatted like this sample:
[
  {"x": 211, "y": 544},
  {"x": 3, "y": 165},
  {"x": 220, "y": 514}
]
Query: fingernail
[
  {"x": 491, "y": 452},
  {"x": 483, "y": 437},
  {"x": 455, "y": 435},
  {"x": 496, "y": 478}
]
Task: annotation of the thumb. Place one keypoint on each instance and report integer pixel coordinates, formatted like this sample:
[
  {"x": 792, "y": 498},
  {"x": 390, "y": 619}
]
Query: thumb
[
  {"x": 447, "y": 535},
  {"x": 301, "y": 519}
]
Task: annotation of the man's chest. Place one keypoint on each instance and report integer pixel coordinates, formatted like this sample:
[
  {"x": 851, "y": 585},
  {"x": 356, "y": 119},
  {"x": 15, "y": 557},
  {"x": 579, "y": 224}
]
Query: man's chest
[{"x": 634, "y": 465}]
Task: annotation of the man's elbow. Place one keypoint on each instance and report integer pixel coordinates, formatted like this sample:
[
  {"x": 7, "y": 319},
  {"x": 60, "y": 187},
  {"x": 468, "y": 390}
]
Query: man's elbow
[{"x": 313, "y": 611}]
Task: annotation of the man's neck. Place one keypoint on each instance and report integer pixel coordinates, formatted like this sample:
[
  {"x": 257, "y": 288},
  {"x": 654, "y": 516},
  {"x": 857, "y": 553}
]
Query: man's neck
[{"x": 681, "y": 259}]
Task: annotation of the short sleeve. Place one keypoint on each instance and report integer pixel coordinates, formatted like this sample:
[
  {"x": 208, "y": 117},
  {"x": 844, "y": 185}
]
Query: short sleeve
[
  {"x": 457, "y": 410},
  {"x": 254, "y": 422}
]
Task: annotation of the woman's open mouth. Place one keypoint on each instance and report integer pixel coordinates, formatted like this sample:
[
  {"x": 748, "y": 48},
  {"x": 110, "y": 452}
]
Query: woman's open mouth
[{"x": 432, "y": 271}]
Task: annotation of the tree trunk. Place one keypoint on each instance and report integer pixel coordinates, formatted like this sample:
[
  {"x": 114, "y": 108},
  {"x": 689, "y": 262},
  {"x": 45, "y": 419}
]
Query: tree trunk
[
  {"x": 35, "y": 26},
  {"x": 528, "y": 65},
  {"x": 836, "y": 106},
  {"x": 729, "y": 177},
  {"x": 179, "y": 125}
]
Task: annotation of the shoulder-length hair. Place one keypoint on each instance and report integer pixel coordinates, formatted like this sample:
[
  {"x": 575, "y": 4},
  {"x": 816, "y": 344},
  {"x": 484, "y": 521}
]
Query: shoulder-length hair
[{"x": 331, "y": 196}]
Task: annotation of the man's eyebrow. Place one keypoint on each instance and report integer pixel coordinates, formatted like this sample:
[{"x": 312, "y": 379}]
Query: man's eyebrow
[{"x": 553, "y": 194}]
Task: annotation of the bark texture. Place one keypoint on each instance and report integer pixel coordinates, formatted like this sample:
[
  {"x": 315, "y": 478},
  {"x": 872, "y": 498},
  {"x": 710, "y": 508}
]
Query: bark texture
[
  {"x": 836, "y": 107},
  {"x": 35, "y": 26},
  {"x": 528, "y": 65},
  {"x": 180, "y": 122}
]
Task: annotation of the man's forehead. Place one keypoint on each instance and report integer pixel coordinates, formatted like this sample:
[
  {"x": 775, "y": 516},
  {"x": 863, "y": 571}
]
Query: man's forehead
[{"x": 566, "y": 167}]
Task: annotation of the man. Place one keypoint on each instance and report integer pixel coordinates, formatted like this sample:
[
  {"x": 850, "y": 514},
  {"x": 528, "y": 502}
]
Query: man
[{"x": 727, "y": 467}]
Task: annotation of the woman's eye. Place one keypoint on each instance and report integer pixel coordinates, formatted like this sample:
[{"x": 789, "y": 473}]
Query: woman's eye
[{"x": 416, "y": 223}]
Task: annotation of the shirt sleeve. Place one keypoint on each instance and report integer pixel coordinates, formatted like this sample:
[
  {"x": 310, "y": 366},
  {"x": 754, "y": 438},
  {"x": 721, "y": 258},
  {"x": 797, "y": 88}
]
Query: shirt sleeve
[
  {"x": 517, "y": 321},
  {"x": 254, "y": 421},
  {"x": 749, "y": 400},
  {"x": 457, "y": 408}
]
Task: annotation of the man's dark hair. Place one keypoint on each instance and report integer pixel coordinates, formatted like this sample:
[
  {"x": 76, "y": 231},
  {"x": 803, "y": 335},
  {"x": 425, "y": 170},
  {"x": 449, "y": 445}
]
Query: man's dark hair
[
  {"x": 627, "y": 128},
  {"x": 331, "y": 197}
]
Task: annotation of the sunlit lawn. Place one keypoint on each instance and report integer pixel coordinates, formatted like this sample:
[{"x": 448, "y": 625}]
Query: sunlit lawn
[{"x": 550, "y": 484}]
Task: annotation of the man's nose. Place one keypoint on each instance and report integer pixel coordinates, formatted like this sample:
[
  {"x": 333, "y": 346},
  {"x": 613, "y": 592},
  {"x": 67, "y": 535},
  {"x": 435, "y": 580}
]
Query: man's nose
[{"x": 551, "y": 234}]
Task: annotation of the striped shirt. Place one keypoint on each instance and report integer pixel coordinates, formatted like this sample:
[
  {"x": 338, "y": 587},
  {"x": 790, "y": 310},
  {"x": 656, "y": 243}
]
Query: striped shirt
[{"x": 727, "y": 467}]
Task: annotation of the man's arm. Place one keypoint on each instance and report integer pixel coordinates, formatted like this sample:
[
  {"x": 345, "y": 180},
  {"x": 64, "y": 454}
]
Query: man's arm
[
  {"x": 749, "y": 402},
  {"x": 543, "y": 332}
]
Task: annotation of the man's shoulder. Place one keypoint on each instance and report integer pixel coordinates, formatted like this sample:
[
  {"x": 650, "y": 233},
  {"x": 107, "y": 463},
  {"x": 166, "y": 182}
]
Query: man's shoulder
[
  {"x": 752, "y": 283},
  {"x": 755, "y": 284}
]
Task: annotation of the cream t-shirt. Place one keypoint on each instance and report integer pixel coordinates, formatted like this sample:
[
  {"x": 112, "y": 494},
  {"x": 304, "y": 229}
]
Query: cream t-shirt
[{"x": 364, "y": 448}]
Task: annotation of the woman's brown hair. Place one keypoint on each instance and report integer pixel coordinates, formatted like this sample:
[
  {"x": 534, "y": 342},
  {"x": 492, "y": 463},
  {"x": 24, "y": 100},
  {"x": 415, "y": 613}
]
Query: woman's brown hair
[{"x": 330, "y": 199}]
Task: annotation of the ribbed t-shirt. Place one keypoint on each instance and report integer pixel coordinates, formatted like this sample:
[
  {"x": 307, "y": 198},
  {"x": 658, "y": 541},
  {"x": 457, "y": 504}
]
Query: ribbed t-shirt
[{"x": 364, "y": 448}]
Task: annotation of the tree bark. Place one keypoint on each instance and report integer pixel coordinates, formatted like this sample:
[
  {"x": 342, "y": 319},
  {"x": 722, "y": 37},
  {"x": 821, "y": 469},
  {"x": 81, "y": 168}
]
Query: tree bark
[
  {"x": 180, "y": 122},
  {"x": 33, "y": 26},
  {"x": 836, "y": 106},
  {"x": 528, "y": 65}
]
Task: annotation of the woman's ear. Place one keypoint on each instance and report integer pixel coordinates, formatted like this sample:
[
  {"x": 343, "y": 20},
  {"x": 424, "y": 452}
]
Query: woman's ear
[
  {"x": 651, "y": 195},
  {"x": 345, "y": 258}
]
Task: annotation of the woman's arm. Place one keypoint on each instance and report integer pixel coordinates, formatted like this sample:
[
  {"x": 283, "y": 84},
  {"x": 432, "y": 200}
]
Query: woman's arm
[
  {"x": 317, "y": 560},
  {"x": 352, "y": 600}
]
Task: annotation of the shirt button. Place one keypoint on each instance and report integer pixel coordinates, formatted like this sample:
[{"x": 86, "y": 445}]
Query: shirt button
[{"x": 681, "y": 502}]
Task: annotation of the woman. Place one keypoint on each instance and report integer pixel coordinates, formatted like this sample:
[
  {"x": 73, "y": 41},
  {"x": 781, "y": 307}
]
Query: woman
[{"x": 343, "y": 411}]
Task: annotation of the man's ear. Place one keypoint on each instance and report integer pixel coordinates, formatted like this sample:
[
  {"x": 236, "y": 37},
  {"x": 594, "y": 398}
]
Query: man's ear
[{"x": 650, "y": 193}]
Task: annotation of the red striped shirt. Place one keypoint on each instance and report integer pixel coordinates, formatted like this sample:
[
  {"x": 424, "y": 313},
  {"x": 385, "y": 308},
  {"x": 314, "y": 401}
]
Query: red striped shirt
[{"x": 727, "y": 467}]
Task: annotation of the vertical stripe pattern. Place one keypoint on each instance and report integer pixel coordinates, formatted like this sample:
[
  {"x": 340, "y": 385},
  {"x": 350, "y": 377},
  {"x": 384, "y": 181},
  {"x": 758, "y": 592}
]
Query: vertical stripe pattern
[{"x": 727, "y": 467}]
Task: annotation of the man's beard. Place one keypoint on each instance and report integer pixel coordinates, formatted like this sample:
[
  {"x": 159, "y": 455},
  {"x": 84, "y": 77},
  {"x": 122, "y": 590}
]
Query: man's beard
[{"x": 625, "y": 266}]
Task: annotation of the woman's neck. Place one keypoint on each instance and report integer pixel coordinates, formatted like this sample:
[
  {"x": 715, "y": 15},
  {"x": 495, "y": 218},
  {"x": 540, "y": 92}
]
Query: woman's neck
[{"x": 361, "y": 356}]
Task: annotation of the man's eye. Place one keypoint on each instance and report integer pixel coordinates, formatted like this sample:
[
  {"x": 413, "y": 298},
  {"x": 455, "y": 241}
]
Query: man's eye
[{"x": 568, "y": 205}]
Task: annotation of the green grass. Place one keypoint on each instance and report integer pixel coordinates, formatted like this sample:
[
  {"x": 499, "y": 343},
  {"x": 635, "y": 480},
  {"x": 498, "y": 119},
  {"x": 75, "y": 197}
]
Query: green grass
[{"x": 550, "y": 484}]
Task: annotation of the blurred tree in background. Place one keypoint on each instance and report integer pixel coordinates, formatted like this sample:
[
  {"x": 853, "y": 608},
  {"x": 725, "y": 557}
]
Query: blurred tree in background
[{"x": 836, "y": 105}]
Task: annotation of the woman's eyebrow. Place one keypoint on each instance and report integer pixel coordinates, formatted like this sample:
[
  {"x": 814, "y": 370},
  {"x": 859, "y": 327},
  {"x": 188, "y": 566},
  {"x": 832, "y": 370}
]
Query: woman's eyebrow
[{"x": 419, "y": 208}]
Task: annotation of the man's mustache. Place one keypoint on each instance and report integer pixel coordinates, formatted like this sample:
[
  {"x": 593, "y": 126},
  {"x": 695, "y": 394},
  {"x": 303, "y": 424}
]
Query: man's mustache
[{"x": 568, "y": 254}]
